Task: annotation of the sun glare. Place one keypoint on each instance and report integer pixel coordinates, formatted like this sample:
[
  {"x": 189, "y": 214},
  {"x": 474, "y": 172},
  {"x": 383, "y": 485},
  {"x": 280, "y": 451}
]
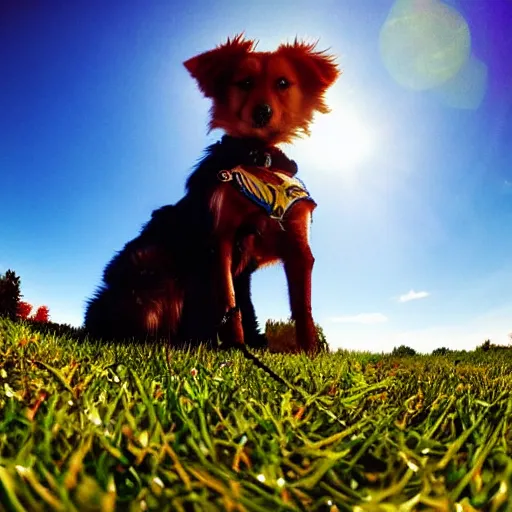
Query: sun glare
[{"x": 340, "y": 141}]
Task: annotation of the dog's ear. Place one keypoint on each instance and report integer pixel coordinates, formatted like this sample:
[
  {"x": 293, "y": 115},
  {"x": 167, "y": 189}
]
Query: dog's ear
[
  {"x": 211, "y": 69},
  {"x": 317, "y": 71}
]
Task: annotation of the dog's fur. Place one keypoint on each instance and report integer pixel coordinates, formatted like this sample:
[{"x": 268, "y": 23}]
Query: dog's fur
[{"x": 192, "y": 262}]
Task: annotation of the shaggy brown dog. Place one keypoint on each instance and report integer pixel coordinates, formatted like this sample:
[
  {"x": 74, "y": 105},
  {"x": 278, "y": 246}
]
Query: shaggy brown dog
[{"x": 187, "y": 275}]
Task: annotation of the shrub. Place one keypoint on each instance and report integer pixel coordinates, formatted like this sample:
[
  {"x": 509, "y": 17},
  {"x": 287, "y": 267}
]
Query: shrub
[
  {"x": 42, "y": 314},
  {"x": 488, "y": 346},
  {"x": 24, "y": 310},
  {"x": 281, "y": 336},
  {"x": 55, "y": 329}
]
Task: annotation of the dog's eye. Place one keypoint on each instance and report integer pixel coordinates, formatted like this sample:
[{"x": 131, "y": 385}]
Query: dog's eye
[
  {"x": 245, "y": 84},
  {"x": 282, "y": 83}
]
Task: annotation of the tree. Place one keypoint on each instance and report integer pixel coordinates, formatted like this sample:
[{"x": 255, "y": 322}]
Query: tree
[
  {"x": 24, "y": 310},
  {"x": 9, "y": 294},
  {"x": 42, "y": 314},
  {"x": 485, "y": 346},
  {"x": 441, "y": 351},
  {"x": 403, "y": 351}
]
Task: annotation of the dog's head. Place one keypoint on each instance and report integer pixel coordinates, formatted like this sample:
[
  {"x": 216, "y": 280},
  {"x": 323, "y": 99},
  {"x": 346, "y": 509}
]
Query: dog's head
[{"x": 271, "y": 96}]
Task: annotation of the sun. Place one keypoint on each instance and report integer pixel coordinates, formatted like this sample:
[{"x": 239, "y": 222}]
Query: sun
[{"x": 340, "y": 141}]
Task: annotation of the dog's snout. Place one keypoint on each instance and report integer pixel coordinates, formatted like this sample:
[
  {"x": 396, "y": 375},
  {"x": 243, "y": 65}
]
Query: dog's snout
[{"x": 261, "y": 115}]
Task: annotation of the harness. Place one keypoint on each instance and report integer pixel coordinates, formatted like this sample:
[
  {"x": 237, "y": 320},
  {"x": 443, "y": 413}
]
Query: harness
[{"x": 274, "y": 191}]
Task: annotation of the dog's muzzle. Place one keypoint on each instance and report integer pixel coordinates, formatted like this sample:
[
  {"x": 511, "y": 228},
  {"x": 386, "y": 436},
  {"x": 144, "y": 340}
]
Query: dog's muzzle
[{"x": 261, "y": 115}]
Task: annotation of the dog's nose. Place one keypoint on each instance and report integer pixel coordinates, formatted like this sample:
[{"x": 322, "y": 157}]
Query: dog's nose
[{"x": 261, "y": 115}]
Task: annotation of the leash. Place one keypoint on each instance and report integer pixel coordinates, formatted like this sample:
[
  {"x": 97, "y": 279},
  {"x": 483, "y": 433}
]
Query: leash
[
  {"x": 262, "y": 366},
  {"x": 248, "y": 355}
]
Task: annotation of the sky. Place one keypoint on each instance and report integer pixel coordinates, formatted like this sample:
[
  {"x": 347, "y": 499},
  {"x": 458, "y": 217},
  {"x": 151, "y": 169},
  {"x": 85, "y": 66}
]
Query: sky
[{"x": 412, "y": 170}]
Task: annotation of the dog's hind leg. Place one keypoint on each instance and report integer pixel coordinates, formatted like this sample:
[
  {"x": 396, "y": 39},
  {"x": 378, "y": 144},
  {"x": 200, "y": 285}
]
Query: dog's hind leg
[
  {"x": 110, "y": 316},
  {"x": 96, "y": 321}
]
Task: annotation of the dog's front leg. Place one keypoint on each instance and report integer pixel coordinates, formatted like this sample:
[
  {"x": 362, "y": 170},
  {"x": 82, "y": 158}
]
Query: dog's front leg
[
  {"x": 298, "y": 263},
  {"x": 299, "y": 268},
  {"x": 231, "y": 330}
]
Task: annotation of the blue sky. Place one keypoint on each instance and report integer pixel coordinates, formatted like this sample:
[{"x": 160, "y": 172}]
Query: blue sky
[{"x": 412, "y": 171}]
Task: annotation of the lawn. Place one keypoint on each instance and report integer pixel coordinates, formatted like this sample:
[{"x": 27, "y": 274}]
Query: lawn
[{"x": 91, "y": 426}]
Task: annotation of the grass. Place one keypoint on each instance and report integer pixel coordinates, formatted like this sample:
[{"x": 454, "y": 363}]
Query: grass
[{"x": 90, "y": 426}]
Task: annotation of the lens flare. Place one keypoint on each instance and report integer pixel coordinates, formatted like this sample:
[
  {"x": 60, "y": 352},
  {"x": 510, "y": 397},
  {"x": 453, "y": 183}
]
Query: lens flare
[
  {"x": 424, "y": 43},
  {"x": 467, "y": 88}
]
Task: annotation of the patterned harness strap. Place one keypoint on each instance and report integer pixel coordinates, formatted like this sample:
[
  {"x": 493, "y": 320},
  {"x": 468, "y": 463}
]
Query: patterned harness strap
[{"x": 275, "y": 199}]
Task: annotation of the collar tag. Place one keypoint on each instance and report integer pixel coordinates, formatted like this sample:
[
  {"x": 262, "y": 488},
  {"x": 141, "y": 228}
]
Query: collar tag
[{"x": 261, "y": 159}]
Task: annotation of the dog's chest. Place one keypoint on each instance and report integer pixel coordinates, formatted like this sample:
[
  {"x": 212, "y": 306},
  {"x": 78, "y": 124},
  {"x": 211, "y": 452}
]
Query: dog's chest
[{"x": 257, "y": 241}]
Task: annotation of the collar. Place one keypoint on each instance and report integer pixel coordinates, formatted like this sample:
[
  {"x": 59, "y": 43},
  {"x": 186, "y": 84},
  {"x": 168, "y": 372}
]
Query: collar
[{"x": 251, "y": 151}]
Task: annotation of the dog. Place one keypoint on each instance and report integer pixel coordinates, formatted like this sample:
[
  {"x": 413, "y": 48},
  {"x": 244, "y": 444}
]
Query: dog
[{"x": 186, "y": 277}]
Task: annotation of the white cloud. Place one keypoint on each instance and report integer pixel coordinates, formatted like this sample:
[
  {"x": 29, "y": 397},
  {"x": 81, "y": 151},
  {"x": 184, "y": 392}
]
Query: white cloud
[
  {"x": 361, "y": 318},
  {"x": 412, "y": 295}
]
